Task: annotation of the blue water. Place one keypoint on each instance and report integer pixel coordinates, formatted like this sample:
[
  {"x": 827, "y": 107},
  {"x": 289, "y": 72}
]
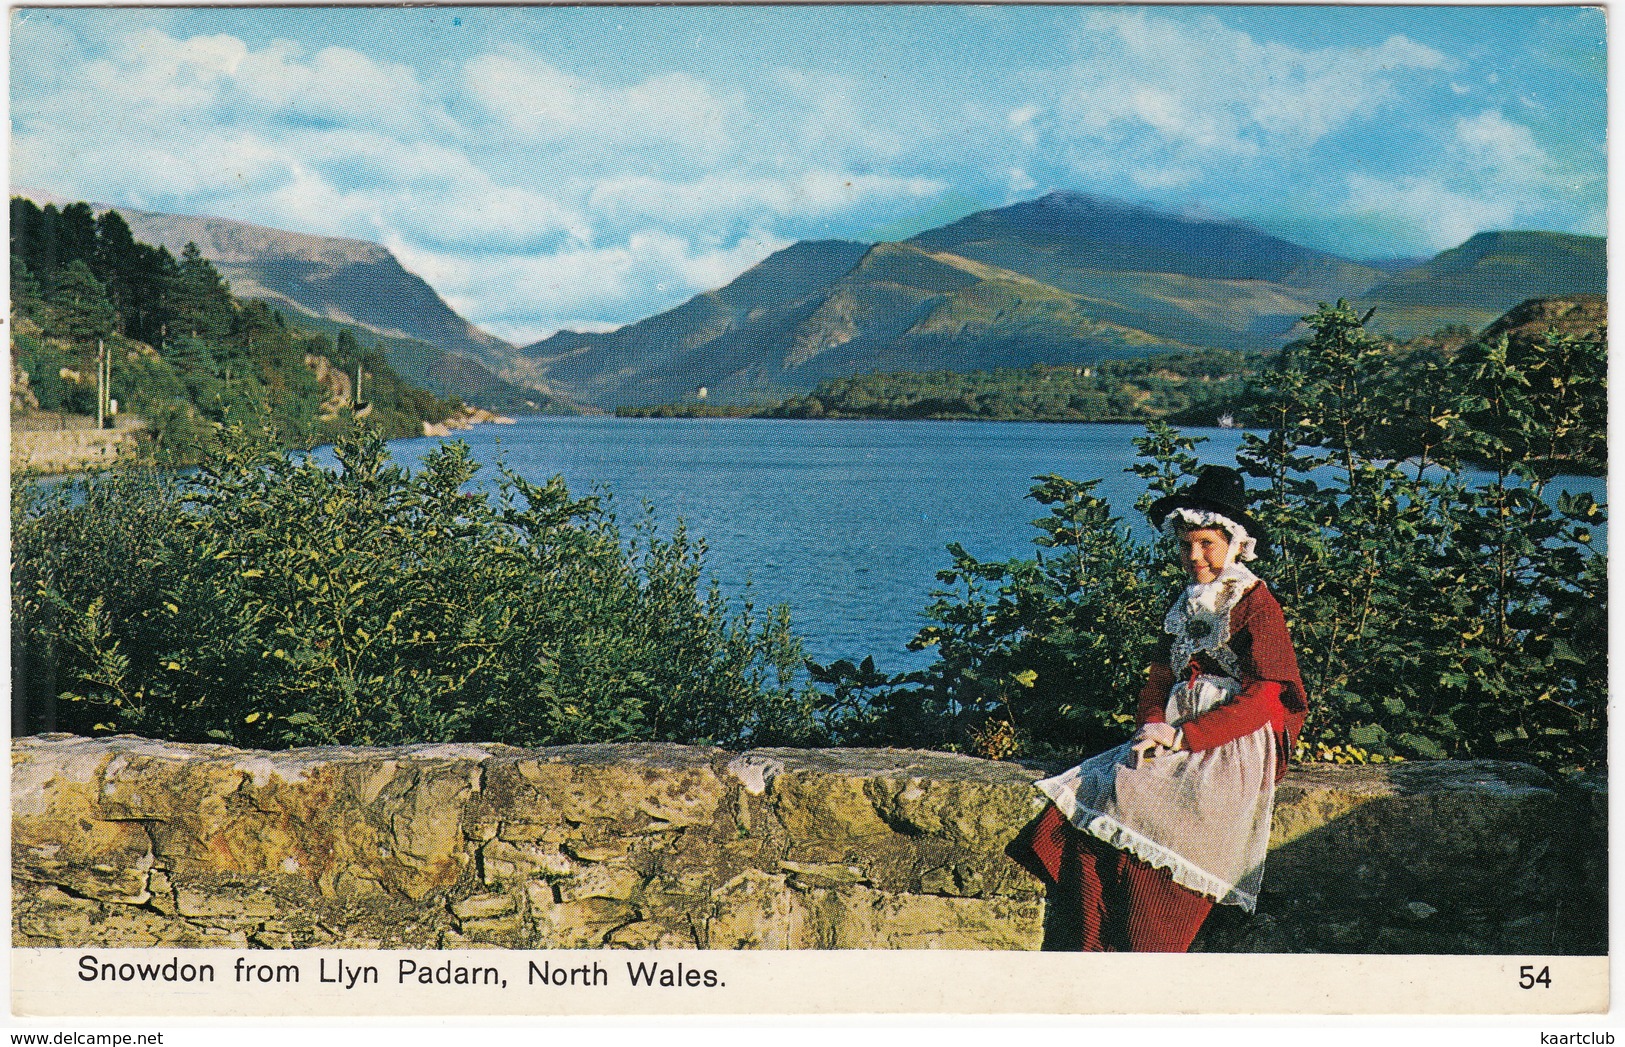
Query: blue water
[{"x": 846, "y": 522}]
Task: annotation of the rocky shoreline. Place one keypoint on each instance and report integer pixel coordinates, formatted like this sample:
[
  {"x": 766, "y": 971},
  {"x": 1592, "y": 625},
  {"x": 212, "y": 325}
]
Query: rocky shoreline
[{"x": 467, "y": 418}]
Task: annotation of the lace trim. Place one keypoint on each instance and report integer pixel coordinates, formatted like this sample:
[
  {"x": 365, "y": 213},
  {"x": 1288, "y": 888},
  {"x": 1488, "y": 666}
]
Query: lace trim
[
  {"x": 1199, "y": 621},
  {"x": 1114, "y": 833}
]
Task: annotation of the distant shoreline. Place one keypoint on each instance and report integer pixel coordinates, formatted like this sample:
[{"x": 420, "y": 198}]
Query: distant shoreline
[
  {"x": 467, "y": 418},
  {"x": 645, "y": 415}
]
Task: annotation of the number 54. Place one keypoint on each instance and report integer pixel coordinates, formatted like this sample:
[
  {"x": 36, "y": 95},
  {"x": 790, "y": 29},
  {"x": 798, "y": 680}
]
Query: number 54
[{"x": 1528, "y": 979}]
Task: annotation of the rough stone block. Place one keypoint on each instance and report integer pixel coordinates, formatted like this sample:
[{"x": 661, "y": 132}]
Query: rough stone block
[
  {"x": 598, "y": 850},
  {"x": 580, "y": 924},
  {"x": 645, "y": 787},
  {"x": 501, "y": 862},
  {"x": 483, "y": 907},
  {"x": 756, "y": 910},
  {"x": 863, "y": 918},
  {"x": 823, "y": 874},
  {"x": 955, "y": 880},
  {"x": 647, "y": 934},
  {"x": 231, "y": 903},
  {"x": 600, "y": 881}
]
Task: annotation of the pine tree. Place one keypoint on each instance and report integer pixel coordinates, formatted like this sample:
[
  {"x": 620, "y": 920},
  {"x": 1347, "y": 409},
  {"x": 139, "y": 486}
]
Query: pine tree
[
  {"x": 115, "y": 263},
  {"x": 76, "y": 235},
  {"x": 81, "y": 311},
  {"x": 203, "y": 303},
  {"x": 28, "y": 237},
  {"x": 25, "y": 291},
  {"x": 151, "y": 283}
]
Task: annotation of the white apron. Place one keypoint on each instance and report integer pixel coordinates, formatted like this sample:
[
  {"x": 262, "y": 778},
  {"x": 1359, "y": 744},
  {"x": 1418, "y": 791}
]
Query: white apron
[{"x": 1203, "y": 816}]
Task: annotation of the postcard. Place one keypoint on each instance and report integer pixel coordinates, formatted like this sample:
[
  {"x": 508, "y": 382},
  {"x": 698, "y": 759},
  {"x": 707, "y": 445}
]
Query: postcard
[{"x": 841, "y": 509}]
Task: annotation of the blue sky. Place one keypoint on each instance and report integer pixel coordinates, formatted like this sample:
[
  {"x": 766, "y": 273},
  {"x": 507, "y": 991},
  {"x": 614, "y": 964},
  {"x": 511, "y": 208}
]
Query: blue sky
[{"x": 586, "y": 167}]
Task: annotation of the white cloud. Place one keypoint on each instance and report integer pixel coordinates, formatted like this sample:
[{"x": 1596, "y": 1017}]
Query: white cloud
[
  {"x": 314, "y": 142},
  {"x": 150, "y": 167},
  {"x": 153, "y": 75},
  {"x": 437, "y": 192},
  {"x": 1490, "y": 173},
  {"x": 1444, "y": 217},
  {"x": 740, "y": 196},
  {"x": 1154, "y": 177},
  {"x": 534, "y": 100},
  {"x": 1509, "y": 149},
  {"x": 308, "y": 202},
  {"x": 1155, "y": 85},
  {"x": 1024, "y": 122},
  {"x": 832, "y": 117},
  {"x": 587, "y": 184},
  {"x": 209, "y": 114},
  {"x": 580, "y": 288}
]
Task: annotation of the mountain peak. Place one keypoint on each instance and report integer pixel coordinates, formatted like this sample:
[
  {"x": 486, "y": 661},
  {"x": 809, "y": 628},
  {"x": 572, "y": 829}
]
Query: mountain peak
[
  {"x": 1063, "y": 235},
  {"x": 1078, "y": 202}
]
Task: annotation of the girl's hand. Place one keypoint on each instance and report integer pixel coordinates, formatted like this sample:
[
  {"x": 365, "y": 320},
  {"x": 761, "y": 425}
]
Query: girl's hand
[{"x": 1154, "y": 736}]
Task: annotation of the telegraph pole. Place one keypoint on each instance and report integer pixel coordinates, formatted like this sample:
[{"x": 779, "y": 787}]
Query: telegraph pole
[{"x": 101, "y": 383}]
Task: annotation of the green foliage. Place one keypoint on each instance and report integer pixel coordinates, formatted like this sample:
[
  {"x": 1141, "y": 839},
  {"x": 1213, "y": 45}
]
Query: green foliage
[
  {"x": 184, "y": 352},
  {"x": 271, "y": 602},
  {"x": 698, "y": 409},
  {"x": 1196, "y": 386},
  {"x": 79, "y": 307},
  {"x": 1433, "y": 616},
  {"x": 25, "y": 291}
]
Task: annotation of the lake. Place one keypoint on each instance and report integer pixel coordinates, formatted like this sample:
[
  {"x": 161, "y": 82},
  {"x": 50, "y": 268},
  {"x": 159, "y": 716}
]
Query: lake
[{"x": 846, "y": 522}]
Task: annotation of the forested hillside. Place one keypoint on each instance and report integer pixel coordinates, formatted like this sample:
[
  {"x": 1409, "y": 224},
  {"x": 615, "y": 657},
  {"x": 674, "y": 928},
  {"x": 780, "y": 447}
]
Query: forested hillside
[
  {"x": 183, "y": 351},
  {"x": 1194, "y": 388},
  {"x": 1191, "y": 388}
]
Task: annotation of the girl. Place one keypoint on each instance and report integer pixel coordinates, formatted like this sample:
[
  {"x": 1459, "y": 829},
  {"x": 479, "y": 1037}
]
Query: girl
[{"x": 1139, "y": 842}]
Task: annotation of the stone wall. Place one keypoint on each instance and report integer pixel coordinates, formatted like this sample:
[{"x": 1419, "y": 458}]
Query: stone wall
[
  {"x": 129, "y": 842},
  {"x": 70, "y": 450}
]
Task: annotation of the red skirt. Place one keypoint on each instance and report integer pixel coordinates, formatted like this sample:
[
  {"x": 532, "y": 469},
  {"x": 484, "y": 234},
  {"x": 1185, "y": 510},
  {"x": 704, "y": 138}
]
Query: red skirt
[{"x": 1102, "y": 899}]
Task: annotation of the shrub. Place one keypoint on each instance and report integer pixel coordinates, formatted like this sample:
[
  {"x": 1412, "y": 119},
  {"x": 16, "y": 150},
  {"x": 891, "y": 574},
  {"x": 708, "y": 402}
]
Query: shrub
[{"x": 272, "y": 602}]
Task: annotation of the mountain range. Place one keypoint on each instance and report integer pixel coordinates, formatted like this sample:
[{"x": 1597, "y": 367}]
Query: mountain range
[{"x": 1063, "y": 279}]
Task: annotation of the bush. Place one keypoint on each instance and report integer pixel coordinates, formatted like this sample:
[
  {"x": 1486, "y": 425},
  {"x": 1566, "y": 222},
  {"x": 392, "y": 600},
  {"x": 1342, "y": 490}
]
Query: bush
[{"x": 270, "y": 602}]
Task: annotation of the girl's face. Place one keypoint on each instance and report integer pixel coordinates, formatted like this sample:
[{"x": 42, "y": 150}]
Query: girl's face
[{"x": 1202, "y": 552}]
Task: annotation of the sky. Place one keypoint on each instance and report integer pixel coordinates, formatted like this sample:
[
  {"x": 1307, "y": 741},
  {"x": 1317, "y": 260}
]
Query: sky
[{"x": 585, "y": 167}]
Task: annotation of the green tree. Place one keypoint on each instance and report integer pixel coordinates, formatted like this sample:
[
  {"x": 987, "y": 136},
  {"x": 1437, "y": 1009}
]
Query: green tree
[
  {"x": 80, "y": 310},
  {"x": 202, "y": 299},
  {"x": 25, "y": 291},
  {"x": 28, "y": 239},
  {"x": 115, "y": 263}
]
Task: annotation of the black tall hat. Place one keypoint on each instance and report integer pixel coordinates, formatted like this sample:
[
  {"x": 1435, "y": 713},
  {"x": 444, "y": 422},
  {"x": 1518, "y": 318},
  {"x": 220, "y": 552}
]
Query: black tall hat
[{"x": 1220, "y": 489}]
